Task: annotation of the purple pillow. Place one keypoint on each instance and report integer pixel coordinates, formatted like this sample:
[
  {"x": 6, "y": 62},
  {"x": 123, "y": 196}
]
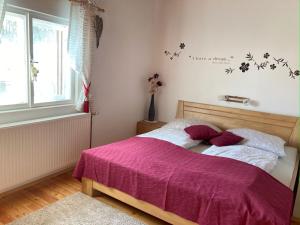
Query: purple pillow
[
  {"x": 225, "y": 139},
  {"x": 201, "y": 132}
]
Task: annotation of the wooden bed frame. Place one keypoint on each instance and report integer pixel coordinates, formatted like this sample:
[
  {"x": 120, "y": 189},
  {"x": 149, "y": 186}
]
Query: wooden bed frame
[{"x": 286, "y": 127}]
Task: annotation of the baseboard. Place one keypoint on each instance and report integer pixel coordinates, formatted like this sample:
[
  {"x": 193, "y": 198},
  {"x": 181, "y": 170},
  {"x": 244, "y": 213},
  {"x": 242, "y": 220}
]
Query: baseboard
[{"x": 37, "y": 180}]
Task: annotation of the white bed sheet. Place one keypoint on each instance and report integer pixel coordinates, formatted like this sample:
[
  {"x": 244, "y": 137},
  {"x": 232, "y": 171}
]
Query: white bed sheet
[
  {"x": 253, "y": 156},
  {"x": 284, "y": 169}
]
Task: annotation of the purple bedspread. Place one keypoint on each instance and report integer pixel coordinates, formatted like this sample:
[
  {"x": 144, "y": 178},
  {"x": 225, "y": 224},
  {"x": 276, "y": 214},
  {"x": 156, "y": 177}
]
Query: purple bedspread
[{"x": 205, "y": 189}]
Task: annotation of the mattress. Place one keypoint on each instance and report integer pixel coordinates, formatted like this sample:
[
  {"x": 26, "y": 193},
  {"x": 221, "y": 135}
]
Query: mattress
[{"x": 284, "y": 169}]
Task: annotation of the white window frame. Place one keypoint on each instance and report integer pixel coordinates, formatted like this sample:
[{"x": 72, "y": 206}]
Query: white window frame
[
  {"x": 30, "y": 15},
  {"x": 30, "y": 111}
]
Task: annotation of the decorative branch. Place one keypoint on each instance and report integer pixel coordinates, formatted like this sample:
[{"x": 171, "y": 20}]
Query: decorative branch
[
  {"x": 259, "y": 66},
  {"x": 284, "y": 63},
  {"x": 176, "y": 53},
  {"x": 229, "y": 70},
  {"x": 263, "y": 65},
  {"x": 167, "y": 53}
]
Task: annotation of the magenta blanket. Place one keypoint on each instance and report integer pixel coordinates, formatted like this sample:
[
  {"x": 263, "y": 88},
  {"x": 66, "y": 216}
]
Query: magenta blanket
[{"x": 205, "y": 189}]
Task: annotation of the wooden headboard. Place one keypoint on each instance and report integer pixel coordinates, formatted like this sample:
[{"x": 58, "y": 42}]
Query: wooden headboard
[{"x": 286, "y": 127}]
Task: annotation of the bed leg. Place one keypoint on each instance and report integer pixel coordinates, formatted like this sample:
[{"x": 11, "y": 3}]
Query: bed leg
[{"x": 87, "y": 187}]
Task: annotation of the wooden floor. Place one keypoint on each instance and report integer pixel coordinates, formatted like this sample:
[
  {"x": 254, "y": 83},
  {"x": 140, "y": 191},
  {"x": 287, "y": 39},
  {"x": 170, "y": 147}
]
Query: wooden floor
[{"x": 26, "y": 201}]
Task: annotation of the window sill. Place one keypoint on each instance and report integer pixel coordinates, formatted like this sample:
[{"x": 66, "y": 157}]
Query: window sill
[
  {"x": 23, "y": 115},
  {"x": 28, "y": 122}
]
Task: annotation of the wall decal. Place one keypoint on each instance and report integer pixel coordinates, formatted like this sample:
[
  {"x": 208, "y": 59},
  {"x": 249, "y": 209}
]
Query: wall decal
[
  {"x": 266, "y": 63},
  {"x": 266, "y": 55},
  {"x": 261, "y": 65},
  {"x": 176, "y": 53},
  {"x": 244, "y": 67},
  {"x": 229, "y": 70},
  {"x": 273, "y": 67},
  {"x": 213, "y": 60},
  {"x": 284, "y": 63}
]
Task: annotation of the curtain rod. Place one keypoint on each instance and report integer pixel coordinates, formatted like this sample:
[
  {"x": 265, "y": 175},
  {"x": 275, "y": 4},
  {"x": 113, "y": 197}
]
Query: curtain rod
[{"x": 86, "y": 2}]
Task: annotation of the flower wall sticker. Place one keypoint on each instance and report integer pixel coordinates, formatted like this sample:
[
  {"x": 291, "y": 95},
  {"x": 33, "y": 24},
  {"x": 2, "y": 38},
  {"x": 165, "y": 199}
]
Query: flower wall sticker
[
  {"x": 244, "y": 67},
  {"x": 266, "y": 56},
  {"x": 261, "y": 65},
  {"x": 274, "y": 64},
  {"x": 176, "y": 53},
  {"x": 273, "y": 67},
  {"x": 182, "y": 46}
]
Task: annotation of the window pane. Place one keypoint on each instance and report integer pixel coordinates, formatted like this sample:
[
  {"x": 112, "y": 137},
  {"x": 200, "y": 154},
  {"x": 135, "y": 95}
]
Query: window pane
[
  {"x": 13, "y": 61},
  {"x": 53, "y": 81}
]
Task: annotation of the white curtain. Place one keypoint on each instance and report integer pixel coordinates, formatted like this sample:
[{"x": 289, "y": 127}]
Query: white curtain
[
  {"x": 80, "y": 47},
  {"x": 2, "y": 12}
]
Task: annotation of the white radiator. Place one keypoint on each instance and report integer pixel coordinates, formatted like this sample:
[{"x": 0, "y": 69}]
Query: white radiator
[{"x": 30, "y": 151}]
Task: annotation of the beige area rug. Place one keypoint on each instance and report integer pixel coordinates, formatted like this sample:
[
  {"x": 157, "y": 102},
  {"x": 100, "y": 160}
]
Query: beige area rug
[{"x": 77, "y": 209}]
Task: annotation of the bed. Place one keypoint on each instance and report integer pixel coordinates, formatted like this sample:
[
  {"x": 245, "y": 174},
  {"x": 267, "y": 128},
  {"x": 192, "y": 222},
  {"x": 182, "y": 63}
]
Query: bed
[{"x": 285, "y": 127}]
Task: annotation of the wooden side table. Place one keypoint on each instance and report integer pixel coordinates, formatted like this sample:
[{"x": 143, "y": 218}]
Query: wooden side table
[{"x": 147, "y": 126}]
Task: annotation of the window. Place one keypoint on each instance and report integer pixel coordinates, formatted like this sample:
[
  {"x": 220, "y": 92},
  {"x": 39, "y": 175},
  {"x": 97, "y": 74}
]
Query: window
[
  {"x": 52, "y": 83},
  {"x": 13, "y": 61},
  {"x": 34, "y": 68}
]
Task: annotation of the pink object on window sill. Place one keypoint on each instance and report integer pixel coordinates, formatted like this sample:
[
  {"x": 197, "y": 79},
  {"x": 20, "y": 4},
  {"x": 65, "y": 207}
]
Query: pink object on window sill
[{"x": 86, "y": 106}]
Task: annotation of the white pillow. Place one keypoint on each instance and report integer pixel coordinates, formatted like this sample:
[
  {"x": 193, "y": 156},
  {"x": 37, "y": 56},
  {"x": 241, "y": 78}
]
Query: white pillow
[
  {"x": 174, "y": 136},
  {"x": 184, "y": 123},
  {"x": 260, "y": 140}
]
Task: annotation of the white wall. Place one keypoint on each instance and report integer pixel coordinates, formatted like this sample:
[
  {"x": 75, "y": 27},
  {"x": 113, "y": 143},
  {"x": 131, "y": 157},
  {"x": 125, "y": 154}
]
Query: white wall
[
  {"x": 228, "y": 28},
  {"x": 120, "y": 67},
  {"x": 58, "y": 8},
  {"x": 136, "y": 33},
  {"x": 224, "y": 28}
]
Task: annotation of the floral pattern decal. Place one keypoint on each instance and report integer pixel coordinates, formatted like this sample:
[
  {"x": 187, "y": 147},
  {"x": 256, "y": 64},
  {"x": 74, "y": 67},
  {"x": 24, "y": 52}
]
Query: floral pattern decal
[
  {"x": 273, "y": 67},
  {"x": 176, "y": 53},
  {"x": 182, "y": 46},
  {"x": 244, "y": 67},
  {"x": 268, "y": 62},
  {"x": 266, "y": 56}
]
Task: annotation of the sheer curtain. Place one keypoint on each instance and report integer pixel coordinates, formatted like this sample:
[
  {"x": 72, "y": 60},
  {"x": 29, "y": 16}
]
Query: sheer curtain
[
  {"x": 80, "y": 47},
  {"x": 2, "y": 12}
]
